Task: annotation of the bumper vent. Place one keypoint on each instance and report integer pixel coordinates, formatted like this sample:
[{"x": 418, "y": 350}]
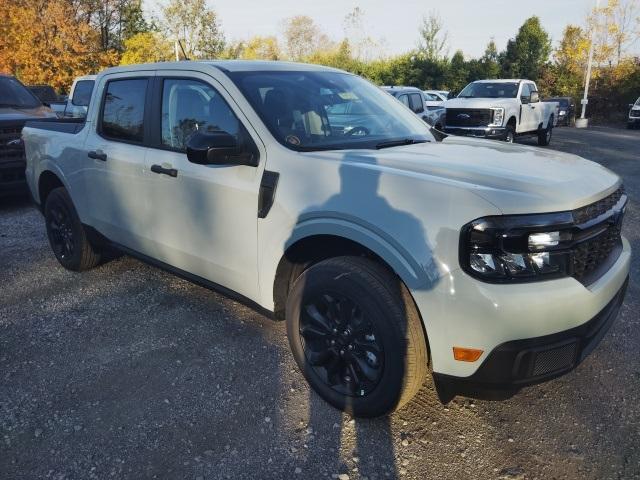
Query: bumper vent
[{"x": 554, "y": 360}]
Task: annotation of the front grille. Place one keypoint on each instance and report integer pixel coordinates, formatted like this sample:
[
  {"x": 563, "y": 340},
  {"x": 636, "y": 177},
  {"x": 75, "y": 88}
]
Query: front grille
[
  {"x": 468, "y": 117},
  {"x": 634, "y": 113},
  {"x": 597, "y": 251},
  {"x": 554, "y": 360},
  {"x": 594, "y": 210},
  {"x": 10, "y": 152}
]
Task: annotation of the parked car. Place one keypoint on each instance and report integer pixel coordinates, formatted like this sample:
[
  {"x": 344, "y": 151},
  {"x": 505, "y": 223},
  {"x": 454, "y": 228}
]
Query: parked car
[
  {"x": 49, "y": 97},
  {"x": 566, "y": 109},
  {"x": 389, "y": 254},
  {"x": 17, "y": 105},
  {"x": 434, "y": 100},
  {"x": 79, "y": 96},
  {"x": 501, "y": 109},
  {"x": 634, "y": 114},
  {"x": 411, "y": 97}
]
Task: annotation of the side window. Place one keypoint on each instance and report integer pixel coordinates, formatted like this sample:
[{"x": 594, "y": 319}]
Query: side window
[
  {"x": 526, "y": 90},
  {"x": 123, "y": 110},
  {"x": 82, "y": 93},
  {"x": 432, "y": 97},
  {"x": 404, "y": 99},
  {"x": 417, "y": 104},
  {"x": 189, "y": 106}
]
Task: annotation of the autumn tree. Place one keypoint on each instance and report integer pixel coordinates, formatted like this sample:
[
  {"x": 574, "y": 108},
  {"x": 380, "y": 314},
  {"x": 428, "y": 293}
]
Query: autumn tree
[
  {"x": 44, "y": 41},
  {"x": 261, "y": 48},
  {"x": 146, "y": 47},
  {"x": 196, "y": 25}
]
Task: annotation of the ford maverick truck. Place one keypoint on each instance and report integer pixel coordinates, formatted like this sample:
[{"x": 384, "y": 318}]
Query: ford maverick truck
[
  {"x": 391, "y": 256},
  {"x": 502, "y": 110}
]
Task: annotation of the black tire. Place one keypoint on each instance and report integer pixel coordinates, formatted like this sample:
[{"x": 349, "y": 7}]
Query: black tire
[
  {"x": 510, "y": 134},
  {"x": 374, "y": 308},
  {"x": 67, "y": 236},
  {"x": 544, "y": 134}
]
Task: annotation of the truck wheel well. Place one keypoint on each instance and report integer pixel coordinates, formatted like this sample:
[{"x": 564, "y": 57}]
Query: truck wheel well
[
  {"x": 307, "y": 252},
  {"x": 512, "y": 121},
  {"x": 47, "y": 182}
]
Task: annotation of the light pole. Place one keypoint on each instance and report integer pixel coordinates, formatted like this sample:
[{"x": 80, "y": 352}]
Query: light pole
[{"x": 582, "y": 122}]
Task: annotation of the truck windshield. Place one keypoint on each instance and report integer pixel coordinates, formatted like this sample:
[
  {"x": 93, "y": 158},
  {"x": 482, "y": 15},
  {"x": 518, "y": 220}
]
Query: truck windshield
[
  {"x": 490, "y": 90},
  {"x": 329, "y": 111},
  {"x": 14, "y": 94}
]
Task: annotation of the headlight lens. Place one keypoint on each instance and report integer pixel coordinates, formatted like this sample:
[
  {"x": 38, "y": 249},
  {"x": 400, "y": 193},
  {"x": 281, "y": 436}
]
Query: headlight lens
[
  {"x": 498, "y": 116},
  {"x": 517, "y": 248}
]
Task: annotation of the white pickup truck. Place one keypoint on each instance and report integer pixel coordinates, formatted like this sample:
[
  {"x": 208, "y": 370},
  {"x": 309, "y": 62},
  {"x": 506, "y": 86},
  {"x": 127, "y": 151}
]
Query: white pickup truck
[
  {"x": 313, "y": 195},
  {"x": 502, "y": 110}
]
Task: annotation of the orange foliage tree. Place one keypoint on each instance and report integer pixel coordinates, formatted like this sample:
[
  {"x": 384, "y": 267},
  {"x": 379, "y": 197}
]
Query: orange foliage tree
[{"x": 46, "y": 41}]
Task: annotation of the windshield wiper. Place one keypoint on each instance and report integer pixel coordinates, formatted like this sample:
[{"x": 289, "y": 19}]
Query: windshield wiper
[
  {"x": 13, "y": 105},
  {"x": 398, "y": 143}
]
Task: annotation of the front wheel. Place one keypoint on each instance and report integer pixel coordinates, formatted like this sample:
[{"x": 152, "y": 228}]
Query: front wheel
[
  {"x": 544, "y": 134},
  {"x": 356, "y": 335},
  {"x": 510, "y": 134}
]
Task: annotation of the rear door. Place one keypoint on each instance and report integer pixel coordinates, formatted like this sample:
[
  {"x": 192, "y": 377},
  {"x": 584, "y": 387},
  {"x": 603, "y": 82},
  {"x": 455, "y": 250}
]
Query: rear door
[
  {"x": 115, "y": 177},
  {"x": 203, "y": 217}
]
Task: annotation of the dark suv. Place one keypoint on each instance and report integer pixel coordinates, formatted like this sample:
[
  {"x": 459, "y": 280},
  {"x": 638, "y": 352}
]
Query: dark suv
[{"x": 17, "y": 106}]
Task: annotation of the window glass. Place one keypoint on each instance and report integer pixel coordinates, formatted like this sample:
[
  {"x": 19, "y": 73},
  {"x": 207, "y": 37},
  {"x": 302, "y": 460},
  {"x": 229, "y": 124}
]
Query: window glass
[
  {"x": 404, "y": 99},
  {"x": 189, "y": 106},
  {"x": 14, "y": 94},
  {"x": 417, "y": 104},
  {"x": 526, "y": 90},
  {"x": 431, "y": 97},
  {"x": 82, "y": 93},
  {"x": 123, "y": 111},
  {"x": 490, "y": 90}
]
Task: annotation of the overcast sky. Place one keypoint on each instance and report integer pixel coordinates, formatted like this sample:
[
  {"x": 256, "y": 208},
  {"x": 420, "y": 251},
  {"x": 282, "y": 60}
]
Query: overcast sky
[{"x": 470, "y": 23}]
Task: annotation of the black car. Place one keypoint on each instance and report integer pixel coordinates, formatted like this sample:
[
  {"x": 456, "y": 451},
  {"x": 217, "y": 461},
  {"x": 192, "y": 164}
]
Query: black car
[
  {"x": 17, "y": 106},
  {"x": 566, "y": 109}
]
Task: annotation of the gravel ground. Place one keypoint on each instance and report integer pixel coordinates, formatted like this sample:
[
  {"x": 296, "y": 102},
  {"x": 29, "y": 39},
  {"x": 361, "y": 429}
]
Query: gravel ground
[{"x": 128, "y": 372}]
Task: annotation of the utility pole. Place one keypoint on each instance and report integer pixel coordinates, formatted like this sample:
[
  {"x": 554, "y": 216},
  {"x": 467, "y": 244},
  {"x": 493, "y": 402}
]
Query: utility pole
[
  {"x": 582, "y": 122},
  {"x": 177, "y": 50}
]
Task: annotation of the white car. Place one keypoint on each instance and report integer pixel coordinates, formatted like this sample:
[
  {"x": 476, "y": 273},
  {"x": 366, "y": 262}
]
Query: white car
[
  {"x": 501, "y": 109},
  {"x": 434, "y": 99},
  {"x": 390, "y": 255},
  {"x": 79, "y": 96},
  {"x": 634, "y": 114}
]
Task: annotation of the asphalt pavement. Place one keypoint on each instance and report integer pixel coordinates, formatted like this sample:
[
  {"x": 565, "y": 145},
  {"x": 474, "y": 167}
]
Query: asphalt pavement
[{"x": 126, "y": 371}]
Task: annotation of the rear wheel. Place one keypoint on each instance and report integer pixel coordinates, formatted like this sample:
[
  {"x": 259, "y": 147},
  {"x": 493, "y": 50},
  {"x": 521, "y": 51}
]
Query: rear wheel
[
  {"x": 66, "y": 234},
  {"x": 356, "y": 335},
  {"x": 544, "y": 134}
]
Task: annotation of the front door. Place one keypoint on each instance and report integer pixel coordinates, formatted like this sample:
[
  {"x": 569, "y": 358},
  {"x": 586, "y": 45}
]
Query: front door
[{"x": 203, "y": 217}]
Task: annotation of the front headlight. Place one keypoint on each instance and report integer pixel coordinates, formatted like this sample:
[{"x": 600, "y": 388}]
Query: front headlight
[
  {"x": 517, "y": 248},
  {"x": 562, "y": 112},
  {"x": 498, "y": 117}
]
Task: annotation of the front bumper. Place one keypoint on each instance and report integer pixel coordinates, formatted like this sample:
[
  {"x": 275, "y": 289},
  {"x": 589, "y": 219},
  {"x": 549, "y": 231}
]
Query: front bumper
[
  {"x": 12, "y": 178},
  {"x": 484, "y": 132},
  {"x": 633, "y": 120},
  {"x": 516, "y": 364}
]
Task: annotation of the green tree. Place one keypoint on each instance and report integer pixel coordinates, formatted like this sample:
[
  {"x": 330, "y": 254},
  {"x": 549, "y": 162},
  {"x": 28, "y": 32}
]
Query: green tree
[
  {"x": 458, "y": 72},
  {"x": 433, "y": 39},
  {"x": 528, "y": 52},
  {"x": 196, "y": 26}
]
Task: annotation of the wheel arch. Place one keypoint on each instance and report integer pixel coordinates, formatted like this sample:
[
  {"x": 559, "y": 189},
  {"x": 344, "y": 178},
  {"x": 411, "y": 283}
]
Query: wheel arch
[{"x": 47, "y": 181}]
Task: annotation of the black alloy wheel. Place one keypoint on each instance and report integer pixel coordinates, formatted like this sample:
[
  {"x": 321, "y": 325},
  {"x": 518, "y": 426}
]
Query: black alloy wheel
[{"x": 341, "y": 344}]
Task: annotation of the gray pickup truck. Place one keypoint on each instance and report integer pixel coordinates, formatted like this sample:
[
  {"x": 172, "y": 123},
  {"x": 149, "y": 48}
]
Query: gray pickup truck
[{"x": 17, "y": 105}]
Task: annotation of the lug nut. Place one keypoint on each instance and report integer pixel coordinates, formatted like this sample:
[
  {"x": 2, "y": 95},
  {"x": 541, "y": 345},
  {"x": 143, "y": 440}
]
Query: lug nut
[
  {"x": 341, "y": 352},
  {"x": 333, "y": 342},
  {"x": 350, "y": 347}
]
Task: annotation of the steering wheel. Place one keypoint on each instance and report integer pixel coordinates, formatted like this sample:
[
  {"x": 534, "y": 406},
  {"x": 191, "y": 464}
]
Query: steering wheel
[{"x": 357, "y": 132}]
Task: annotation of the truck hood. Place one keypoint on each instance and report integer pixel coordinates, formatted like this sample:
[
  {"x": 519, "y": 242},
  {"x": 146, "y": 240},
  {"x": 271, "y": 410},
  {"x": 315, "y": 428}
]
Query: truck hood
[
  {"x": 514, "y": 178},
  {"x": 479, "y": 102},
  {"x": 17, "y": 114}
]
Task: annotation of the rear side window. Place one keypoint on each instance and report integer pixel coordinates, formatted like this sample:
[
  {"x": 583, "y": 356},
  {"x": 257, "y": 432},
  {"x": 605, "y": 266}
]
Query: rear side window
[
  {"x": 123, "y": 111},
  {"x": 417, "y": 104},
  {"x": 82, "y": 93},
  {"x": 404, "y": 99},
  {"x": 189, "y": 106}
]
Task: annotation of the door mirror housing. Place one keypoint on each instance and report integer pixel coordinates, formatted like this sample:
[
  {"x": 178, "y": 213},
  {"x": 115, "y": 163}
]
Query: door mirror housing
[
  {"x": 535, "y": 97},
  {"x": 220, "y": 148}
]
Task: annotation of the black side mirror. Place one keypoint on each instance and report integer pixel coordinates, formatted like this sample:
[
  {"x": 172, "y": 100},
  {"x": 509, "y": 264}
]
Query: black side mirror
[{"x": 219, "y": 148}]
